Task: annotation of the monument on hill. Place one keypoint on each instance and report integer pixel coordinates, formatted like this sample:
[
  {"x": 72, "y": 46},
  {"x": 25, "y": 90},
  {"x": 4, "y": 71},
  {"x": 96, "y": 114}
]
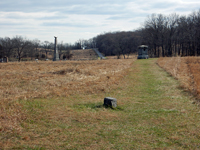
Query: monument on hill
[{"x": 56, "y": 55}]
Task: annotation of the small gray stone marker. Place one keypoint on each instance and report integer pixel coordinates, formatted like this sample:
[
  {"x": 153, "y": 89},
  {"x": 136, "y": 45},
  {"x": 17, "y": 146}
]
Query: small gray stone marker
[{"x": 110, "y": 102}]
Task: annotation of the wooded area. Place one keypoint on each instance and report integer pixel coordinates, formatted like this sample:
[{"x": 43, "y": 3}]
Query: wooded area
[
  {"x": 166, "y": 36},
  {"x": 171, "y": 35}
]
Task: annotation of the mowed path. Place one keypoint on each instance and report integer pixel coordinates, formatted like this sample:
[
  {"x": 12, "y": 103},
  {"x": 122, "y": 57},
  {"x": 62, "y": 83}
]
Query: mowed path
[
  {"x": 152, "y": 113},
  {"x": 160, "y": 114}
]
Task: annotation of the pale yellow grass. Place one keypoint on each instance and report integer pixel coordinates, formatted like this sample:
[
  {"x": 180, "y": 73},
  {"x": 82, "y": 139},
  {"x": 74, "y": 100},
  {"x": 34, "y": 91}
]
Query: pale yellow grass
[
  {"x": 28, "y": 80},
  {"x": 186, "y": 70}
]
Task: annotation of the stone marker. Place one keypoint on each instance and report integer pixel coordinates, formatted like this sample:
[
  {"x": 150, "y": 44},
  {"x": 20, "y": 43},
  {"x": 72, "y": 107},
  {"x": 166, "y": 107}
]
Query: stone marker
[{"x": 110, "y": 102}]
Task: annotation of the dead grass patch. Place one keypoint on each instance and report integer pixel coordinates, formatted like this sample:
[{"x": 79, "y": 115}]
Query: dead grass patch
[
  {"x": 28, "y": 80},
  {"x": 186, "y": 70}
]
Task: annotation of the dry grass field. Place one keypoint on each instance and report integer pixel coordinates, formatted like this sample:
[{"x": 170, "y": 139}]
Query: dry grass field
[
  {"x": 185, "y": 69},
  {"x": 29, "y": 80},
  {"x": 59, "y": 105}
]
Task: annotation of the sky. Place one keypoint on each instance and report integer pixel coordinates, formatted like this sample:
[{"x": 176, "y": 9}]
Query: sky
[{"x": 71, "y": 20}]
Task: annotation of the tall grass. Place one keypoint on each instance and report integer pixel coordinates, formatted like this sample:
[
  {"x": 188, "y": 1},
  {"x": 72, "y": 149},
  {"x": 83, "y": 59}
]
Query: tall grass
[
  {"x": 186, "y": 70},
  {"x": 28, "y": 80}
]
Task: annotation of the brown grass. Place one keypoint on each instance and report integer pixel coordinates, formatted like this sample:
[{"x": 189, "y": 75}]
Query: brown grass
[
  {"x": 185, "y": 69},
  {"x": 28, "y": 80}
]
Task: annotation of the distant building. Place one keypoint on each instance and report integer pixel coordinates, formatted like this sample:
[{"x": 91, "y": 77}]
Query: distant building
[{"x": 143, "y": 52}]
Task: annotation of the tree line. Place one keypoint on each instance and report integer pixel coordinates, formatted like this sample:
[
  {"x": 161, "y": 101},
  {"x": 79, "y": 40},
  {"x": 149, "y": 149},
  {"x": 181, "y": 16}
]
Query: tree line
[
  {"x": 172, "y": 35},
  {"x": 118, "y": 43},
  {"x": 19, "y": 47},
  {"x": 166, "y": 36}
]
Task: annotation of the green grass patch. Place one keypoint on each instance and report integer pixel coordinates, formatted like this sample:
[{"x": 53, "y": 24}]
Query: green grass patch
[{"x": 89, "y": 105}]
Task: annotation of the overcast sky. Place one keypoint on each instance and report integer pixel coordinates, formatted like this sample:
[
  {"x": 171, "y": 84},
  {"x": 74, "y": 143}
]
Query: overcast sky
[{"x": 72, "y": 20}]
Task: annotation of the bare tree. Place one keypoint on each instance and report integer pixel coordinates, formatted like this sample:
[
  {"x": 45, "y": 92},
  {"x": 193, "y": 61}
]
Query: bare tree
[
  {"x": 46, "y": 47},
  {"x": 20, "y": 45},
  {"x": 61, "y": 48},
  {"x": 36, "y": 43},
  {"x": 172, "y": 23},
  {"x": 160, "y": 34},
  {"x": 31, "y": 50},
  {"x": 92, "y": 42},
  {"x": 7, "y": 46}
]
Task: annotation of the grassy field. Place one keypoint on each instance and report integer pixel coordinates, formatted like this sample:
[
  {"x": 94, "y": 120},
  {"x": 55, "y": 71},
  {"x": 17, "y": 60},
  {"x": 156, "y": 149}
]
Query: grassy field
[{"x": 153, "y": 113}]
